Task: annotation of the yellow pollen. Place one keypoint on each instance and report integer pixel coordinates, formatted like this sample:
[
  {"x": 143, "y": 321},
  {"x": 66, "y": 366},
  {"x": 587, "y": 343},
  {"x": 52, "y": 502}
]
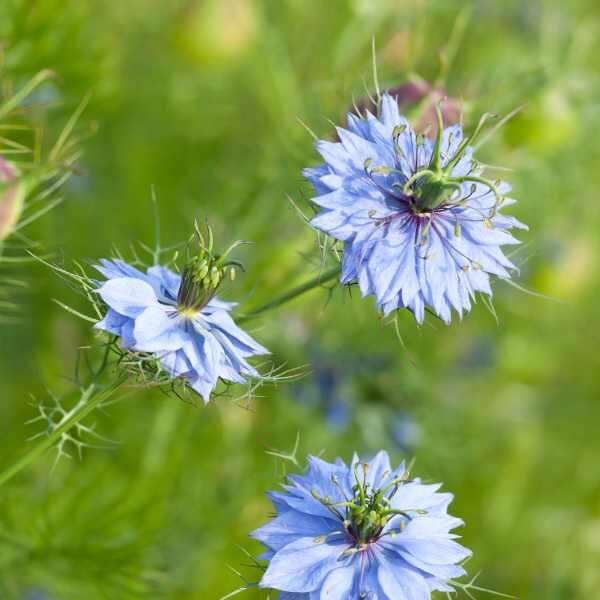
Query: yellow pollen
[{"x": 188, "y": 313}]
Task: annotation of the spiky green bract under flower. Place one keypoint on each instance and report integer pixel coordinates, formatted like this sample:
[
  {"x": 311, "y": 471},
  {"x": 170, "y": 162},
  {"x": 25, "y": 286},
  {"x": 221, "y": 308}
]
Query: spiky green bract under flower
[
  {"x": 420, "y": 222},
  {"x": 179, "y": 319},
  {"x": 358, "y": 532}
]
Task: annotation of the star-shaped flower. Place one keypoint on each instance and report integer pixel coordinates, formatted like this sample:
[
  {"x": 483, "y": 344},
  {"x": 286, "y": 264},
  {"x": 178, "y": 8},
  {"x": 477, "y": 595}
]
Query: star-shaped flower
[
  {"x": 360, "y": 532},
  {"x": 421, "y": 225}
]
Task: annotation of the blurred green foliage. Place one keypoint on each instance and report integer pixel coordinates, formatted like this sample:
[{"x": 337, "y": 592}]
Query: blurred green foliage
[{"x": 201, "y": 98}]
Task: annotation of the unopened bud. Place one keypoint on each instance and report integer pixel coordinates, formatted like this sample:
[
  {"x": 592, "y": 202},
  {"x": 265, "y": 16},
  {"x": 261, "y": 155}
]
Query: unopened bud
[{"x": 12, "y": 196}]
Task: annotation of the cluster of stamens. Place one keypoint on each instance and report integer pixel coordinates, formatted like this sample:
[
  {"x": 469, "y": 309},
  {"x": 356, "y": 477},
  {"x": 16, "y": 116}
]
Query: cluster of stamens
[
  {"x": 204, "y": 272},
  {"x": 433, "y": 187},
  {"x": 365, "y": 515}
]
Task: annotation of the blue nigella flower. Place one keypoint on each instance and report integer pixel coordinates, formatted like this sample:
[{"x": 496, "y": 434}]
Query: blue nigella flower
[
  {"x": 179, "y": 320},
  {"x": 360, "y": 532},
  {"x": 421, "y": 226}
]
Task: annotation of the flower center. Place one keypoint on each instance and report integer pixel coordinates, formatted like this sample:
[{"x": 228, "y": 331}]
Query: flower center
[
  {"x": 435, "y": 185},
  {"x": 203, "y": 274},
  {"x": 432, "y": 190},
  {"x": 366, "y": 514},
  {"x": 199, "y": 283},
  {"x": 370, "y": 510}
]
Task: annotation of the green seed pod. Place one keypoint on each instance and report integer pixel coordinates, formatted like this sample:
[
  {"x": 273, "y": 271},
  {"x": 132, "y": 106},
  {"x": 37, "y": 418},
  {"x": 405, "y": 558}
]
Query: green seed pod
[{"x": 204, "y": 273}]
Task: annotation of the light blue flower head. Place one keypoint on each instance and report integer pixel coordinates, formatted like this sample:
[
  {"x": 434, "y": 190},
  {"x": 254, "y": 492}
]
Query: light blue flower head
[
  {"x": 179, "y": 320},
  {"x": 360, "y": 532},
  {"x": 420, "y": 223}
]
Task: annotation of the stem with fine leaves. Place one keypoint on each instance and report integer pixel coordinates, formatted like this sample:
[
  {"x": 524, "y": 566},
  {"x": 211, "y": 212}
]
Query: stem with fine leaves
[
  {"x": 91, "y": 397},
  {"x": 94, "y": 395}
]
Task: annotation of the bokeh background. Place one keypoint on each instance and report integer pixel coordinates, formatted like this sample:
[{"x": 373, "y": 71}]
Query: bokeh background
[{"x": 201, "y": 99}]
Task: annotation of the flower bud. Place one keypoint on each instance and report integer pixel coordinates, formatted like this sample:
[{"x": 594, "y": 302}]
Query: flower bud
[
  {"x": 12, "y": 196},
  {"x": 216, "y": 31}
]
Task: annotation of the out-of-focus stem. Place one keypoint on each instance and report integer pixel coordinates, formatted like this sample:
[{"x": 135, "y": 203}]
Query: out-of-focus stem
[{"x": 291, "y": 294}]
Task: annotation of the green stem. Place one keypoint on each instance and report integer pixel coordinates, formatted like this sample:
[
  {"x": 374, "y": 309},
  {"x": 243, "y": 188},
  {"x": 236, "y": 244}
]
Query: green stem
[
  {"x": 291, "y": 294},
  {"x": 15, "y": 100},
  {"x": 92, "y": 396},
  {"x": 90, "y": 399}
]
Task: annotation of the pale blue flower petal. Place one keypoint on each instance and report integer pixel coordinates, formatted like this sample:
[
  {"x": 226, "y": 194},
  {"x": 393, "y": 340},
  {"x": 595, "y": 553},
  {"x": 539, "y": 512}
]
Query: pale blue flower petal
[
  {"x": 168, "y": 280},
  {"x": 437, "y": 551},
  {"x": 128, "y": 296},
  {"x": 338, "y": 584},
  {"x": 176, "y": 363},
  {"x": 243, "y": 343},
  {"x": 302, "y": 565},
  {"x": 112, "y": 322},
  {"x": 111, "y": 269},
  {"x": 218, "y": 304},
  {"x": 399, "y": 582},
  {"x": 156, "y": 331},
  {"x": 288, "y": 526},
  {"x": 119, "y": 325}
]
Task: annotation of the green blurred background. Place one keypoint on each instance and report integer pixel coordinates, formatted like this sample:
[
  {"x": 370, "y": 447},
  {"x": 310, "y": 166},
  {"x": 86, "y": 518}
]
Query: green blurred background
[{"x": 201, "y": 99}]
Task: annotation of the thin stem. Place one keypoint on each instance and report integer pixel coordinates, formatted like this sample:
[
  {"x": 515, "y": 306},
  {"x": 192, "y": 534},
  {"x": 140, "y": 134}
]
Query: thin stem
[
  {"x": 90, "y": 399},
  {"x": 465, "y": 143},
  {"x": 482, "y": 181},
  {"x": 435, "y": 161},
  {"x": 293, "y": 293},
  {"x": 15, "y": 100}
]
